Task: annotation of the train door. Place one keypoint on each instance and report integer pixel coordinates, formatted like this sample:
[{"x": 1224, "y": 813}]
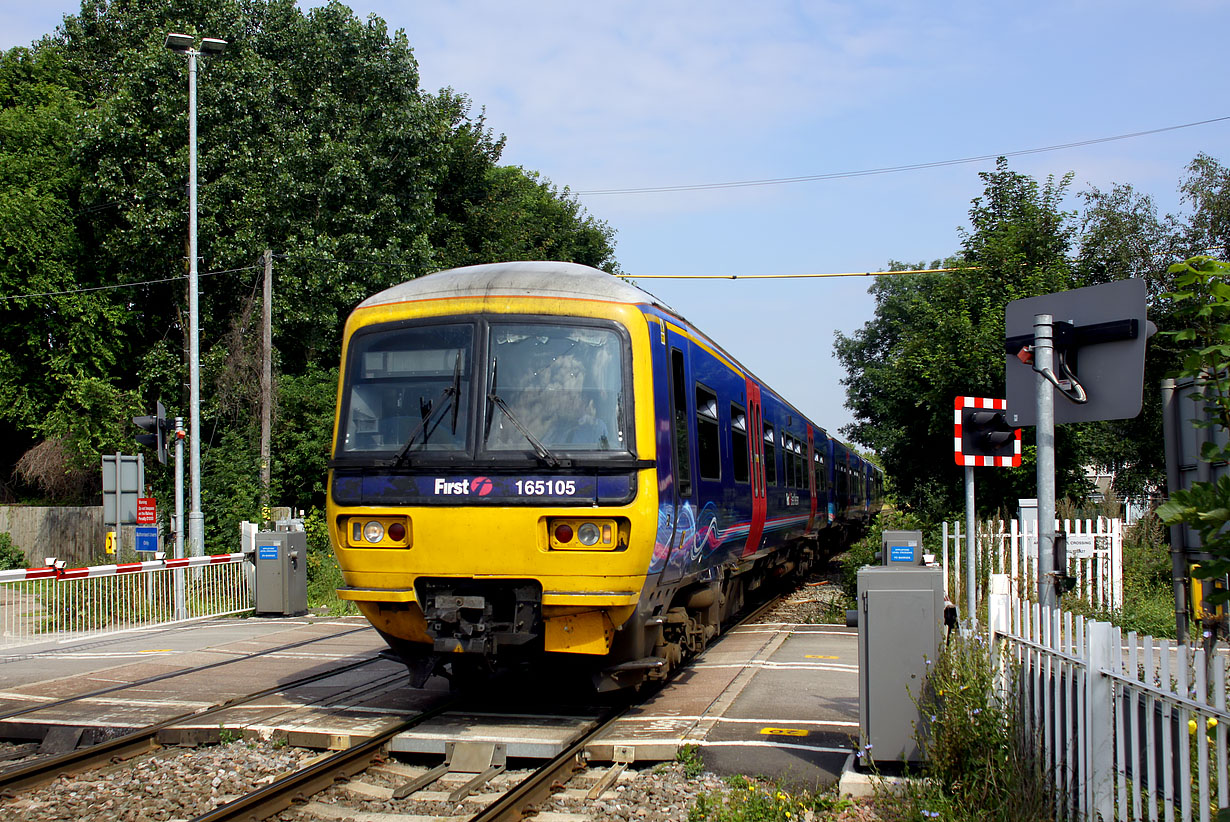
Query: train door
[
  {"x": 684, "y": 535},
  {"x": 755, "y": 444}
]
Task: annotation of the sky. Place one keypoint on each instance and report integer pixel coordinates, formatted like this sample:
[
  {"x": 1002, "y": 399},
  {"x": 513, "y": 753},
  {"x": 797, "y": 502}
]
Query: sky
[{"x": 635, "y": 94}]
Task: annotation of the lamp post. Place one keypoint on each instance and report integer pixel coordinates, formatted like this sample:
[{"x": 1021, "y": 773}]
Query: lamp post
[{"x": 185, "y": 44}]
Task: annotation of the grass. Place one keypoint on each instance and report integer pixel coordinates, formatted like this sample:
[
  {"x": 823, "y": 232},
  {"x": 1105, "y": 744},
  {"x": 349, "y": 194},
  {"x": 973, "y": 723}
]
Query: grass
[{"x": 754, "y": 800}]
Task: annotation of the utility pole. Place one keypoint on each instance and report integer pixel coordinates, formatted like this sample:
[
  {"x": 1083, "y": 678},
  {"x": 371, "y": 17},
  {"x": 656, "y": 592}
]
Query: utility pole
[{"x": 266, "y": 378}]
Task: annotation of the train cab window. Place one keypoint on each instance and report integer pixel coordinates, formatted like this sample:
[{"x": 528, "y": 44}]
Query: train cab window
[
  {"x": 679, "y": 393},
  {"x": 408, "y": 388},
  {"x": 738, "y": 444},
  {"x": 708, "y": 454},
  {"x": 770, "y": 457},
  {"x": 563, "y": 383}
]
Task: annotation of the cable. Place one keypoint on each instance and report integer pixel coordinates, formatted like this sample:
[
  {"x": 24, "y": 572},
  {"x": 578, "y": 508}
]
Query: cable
[
  {"x": 841, "y": 175},
  {"x": 795, "y": 276},
  {"x": 122, "y": 285}
]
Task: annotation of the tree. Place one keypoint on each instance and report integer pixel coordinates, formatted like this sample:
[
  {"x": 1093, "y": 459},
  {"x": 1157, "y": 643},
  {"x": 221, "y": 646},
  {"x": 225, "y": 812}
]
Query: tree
[
  {"x": 937, "y": 336},
  {"x": 315, "y": 140},
  {"x": 1203, "y": 300}
]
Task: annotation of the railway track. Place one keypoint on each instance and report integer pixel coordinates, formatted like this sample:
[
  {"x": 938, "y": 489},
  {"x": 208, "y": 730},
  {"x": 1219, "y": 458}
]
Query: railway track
[
  {"x": 29, "y": 773},
  {"x": 511, "y": 801},
  {"x": 366, "y": 783}
]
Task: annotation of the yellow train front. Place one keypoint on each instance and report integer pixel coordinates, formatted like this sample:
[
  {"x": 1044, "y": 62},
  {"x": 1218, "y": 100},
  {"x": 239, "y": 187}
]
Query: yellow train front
[{"x": 510, "y": 480}]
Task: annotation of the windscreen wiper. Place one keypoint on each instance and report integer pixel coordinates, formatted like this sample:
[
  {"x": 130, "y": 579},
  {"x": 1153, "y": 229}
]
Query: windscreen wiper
[
  {"x": 541, "y": 450},
  {"x": 450, "y": 393}
]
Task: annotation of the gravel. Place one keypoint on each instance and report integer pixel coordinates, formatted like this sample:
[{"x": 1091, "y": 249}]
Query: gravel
[{"x": 173, "y": 784}]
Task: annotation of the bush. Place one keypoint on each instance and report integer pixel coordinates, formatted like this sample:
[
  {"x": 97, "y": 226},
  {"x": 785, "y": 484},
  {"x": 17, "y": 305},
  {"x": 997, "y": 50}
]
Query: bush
[
  {"x": 10, "y": 555},
  {"x": 976, "y": 765},
  {"x": 323, "y": 572}
]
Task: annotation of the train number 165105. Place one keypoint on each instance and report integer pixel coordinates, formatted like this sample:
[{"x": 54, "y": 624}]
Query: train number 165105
[{"x": 547, "y": 488}]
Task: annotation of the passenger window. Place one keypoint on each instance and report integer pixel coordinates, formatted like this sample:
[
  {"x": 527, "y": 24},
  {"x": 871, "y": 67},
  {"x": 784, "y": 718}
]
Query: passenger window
[
  {"x": 708, "y": 453},
  {"x": 770, "y": 459},
  {"x": 738, "y": 444}
]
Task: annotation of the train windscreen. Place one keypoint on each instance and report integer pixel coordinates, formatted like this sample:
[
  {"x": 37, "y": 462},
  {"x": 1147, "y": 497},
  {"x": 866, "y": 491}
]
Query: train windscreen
[
  {"x": 409, "y": 390},
  {"x": 562, "y": 384}
]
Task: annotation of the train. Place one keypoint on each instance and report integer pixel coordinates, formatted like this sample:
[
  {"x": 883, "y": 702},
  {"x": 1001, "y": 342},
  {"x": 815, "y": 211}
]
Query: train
[{"x": 540, "y": 462}]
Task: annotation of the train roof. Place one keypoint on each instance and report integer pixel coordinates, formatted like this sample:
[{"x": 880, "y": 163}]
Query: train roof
[
  {"x": 531, "y": 279},
  {"x": 517, "y": 279}
]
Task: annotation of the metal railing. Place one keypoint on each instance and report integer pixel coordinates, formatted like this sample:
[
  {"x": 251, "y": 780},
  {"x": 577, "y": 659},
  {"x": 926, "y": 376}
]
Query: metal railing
[
  {"x": 1011, "y": 548},
  {"x": 57, "y": 603},
  {"x": 1128, "y": 727}
]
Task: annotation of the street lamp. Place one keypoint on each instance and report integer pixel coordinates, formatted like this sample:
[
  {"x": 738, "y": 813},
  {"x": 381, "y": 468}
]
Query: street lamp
[{"x": 184, "y": 44}]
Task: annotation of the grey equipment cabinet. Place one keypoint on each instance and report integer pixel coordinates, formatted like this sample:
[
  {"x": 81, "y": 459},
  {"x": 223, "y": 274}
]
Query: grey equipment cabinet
[
  {"x": 281, "y": 573},
  {"x": 900, "y": 628}
]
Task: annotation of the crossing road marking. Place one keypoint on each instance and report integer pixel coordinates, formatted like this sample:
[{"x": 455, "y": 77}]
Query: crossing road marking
[
  {"x": 783, "y": 731},
  {"x": 819, "y": 656}
]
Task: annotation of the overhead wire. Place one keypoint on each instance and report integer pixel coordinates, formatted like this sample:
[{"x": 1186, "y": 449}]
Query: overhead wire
[
  {"x": 115, "y": 286},
  {"x": 840, "y": 175}
]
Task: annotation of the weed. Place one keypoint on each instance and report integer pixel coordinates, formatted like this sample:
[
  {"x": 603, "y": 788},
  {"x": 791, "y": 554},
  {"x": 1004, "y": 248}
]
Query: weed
[
  {"x": 752, "y": 800},
  {"x": 226, "y": 736},
  {"x": 977, "y": 763},
  {"x": 693, "y": 764}
]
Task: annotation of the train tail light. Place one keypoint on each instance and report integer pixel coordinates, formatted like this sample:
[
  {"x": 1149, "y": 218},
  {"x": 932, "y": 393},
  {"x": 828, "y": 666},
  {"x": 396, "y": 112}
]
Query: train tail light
[{"x": 586, "y": 534}]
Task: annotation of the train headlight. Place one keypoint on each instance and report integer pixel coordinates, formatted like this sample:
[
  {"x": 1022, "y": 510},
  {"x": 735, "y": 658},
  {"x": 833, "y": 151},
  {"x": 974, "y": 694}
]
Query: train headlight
[
  {"x": 377, "y": 531},
  {"x": 373, "y": 532},
  {"x": 585, "y": 534}
]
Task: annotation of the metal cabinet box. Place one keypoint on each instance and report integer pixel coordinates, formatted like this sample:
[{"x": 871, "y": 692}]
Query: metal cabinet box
[
  {"x": 901, "y": 548},
  {"x": 900, "y": 629},
  {"x": 281, "y": 572}
]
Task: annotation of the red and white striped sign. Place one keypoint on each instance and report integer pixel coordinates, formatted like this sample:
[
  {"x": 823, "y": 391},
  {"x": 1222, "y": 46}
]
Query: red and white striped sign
[{"x": 985, "y": 404}]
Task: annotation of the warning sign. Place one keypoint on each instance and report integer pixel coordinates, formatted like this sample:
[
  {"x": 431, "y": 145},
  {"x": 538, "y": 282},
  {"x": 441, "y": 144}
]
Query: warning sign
[{"x": 147, "y": 511}]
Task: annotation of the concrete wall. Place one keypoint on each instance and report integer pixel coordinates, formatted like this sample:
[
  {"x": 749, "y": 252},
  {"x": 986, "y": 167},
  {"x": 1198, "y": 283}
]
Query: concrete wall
[{"x": 76, "y": 535}]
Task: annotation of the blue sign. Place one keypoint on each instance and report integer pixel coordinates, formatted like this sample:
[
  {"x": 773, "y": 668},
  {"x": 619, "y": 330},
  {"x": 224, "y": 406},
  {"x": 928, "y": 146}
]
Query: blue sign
[
  {"x": 147, "y": 538},
  {"x": 901, "y": 553},
  {"x": 267, "y": 551}
]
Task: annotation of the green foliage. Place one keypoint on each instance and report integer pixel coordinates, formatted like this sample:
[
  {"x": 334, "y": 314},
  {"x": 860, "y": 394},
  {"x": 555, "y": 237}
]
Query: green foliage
[
  {"x": 977, "y": 766},
  {"x": 11, "y": 556},
  {"x": 316, "y": 141},
  {"x": 323, "y": 572},
  {"x": 752, "y": 800},
  {"x": 938, "y": 336},
  {"x": 1202, "y": 299},
  {"x": 693, "y": 764}
]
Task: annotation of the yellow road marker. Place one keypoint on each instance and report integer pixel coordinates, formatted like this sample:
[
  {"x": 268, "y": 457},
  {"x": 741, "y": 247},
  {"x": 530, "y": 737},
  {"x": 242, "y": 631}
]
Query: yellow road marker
[{"x": 783, "y": 731}]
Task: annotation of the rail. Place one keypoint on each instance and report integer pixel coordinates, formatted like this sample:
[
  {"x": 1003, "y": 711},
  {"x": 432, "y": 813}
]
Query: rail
[{"x": 62, "y": 604}]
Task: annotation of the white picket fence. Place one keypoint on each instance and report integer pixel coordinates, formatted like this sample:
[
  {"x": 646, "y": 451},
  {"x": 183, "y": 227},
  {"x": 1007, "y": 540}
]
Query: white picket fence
[
  {"x": 1128, "y": 727},
  {"x": 57, "y": 603},
  {"x": 1095, "y": 558}
]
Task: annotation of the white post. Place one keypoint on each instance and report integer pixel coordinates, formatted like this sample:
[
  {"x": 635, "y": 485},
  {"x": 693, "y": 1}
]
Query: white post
[
  {"x": 971, "y": 537},
  {"x": 1102, "y": 641}
]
